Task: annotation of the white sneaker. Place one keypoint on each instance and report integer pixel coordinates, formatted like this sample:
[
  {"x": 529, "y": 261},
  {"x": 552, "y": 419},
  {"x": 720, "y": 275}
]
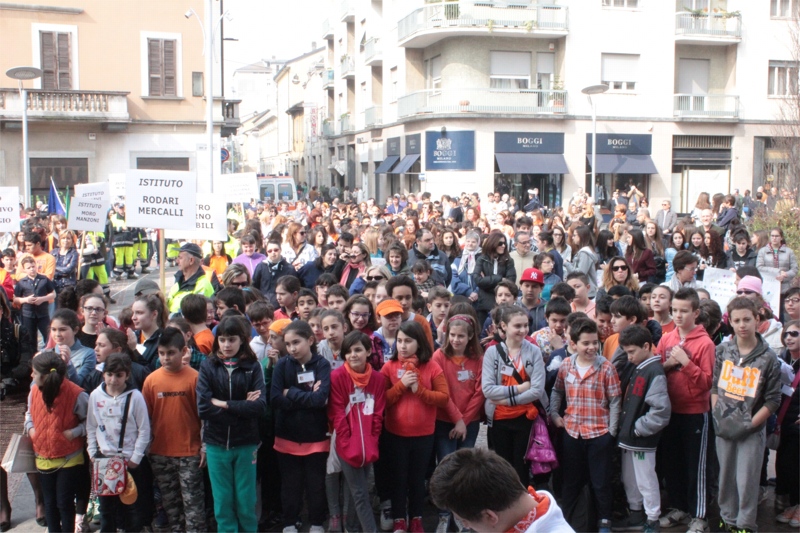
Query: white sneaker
[
  {"x": 697, "y": 525},
  {"x": 762, "y": 495},
  {"x": 444, "y": 523},
  {"x": 290, "y": 529},
  {"x": 387, "y": 522},
  {"x": 673, "y": 518},
  {"x": 786, "y": 516},
  {"x": 316, "y": 529}
]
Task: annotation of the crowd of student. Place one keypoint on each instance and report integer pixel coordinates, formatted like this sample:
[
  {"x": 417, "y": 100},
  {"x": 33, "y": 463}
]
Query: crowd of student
[{"x": 333, "y": 354}]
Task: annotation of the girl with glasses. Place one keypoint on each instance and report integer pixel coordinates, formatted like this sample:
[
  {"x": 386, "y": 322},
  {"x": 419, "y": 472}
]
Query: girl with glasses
[
  {"x": 93, "y": 310},
  {"x": 560, "y": 242},
  {"x": 617, "y": 272},
  {"x": 778, "y": 260}
]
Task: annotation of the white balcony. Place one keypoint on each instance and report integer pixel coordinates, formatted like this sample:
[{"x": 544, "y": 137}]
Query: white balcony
[
  {"x": 90, "y": 106},
  {"x": 708, "y": 28},
  {"x": 347, "y": 10},
  {"x": 327, "y": 128},
  {"x": 373, "y": 55},
  {"x": 345, "y": 124},
  {"x": 372, "y": 116},
  {"x": 484, "y": 101},
  {"x": 328, "y": 79},
  {"x": 434, "y": 22},
  {"x": 706, "y": 106},
  {"x": 348, "y": 67},
  {"x": 327, "y": 30}
]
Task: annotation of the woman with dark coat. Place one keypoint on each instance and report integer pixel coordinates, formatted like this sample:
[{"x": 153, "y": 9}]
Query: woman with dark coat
[
  {"x": 493, "y": 265},
  {"x": 640, "y": 256},
  {"x": 326, "y": 263}
]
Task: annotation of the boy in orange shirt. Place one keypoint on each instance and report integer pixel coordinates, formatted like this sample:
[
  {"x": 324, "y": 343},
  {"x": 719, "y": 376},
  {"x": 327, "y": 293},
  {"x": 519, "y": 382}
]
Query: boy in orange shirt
[
  {"x": 193, "y": 309},
  {"x": 176, "y": 455}
]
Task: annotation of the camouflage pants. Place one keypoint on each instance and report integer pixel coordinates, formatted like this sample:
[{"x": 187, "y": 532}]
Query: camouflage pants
[{"x": 180, "y": 480}]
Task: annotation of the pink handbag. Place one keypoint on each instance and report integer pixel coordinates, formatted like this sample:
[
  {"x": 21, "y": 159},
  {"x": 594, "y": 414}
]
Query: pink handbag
[{"x": 541, "y": 453}]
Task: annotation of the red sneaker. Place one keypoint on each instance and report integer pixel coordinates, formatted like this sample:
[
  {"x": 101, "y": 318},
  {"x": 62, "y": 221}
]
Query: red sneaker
[
  {"x": 416, "y": 525},
  {"x": 399, "y": 525}
]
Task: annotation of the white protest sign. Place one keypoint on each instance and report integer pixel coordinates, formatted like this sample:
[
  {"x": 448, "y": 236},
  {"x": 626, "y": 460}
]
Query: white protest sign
[
  {"x": 235, "y": 188},
  {"x": 160, "y": 199},
  {"x": 720, "y": 284},
  {"x": 9, "y": 208},
  {"x": 117, "y": 185},
  {"x": 89, "y": 207},
  {"x": 771, "y": 292},
  {"x": 210, "y": 221}
]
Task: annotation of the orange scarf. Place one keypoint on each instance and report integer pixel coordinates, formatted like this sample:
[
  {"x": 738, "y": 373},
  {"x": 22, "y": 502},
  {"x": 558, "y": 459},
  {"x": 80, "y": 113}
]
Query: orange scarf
[
  {"x": 409, "y": 364},
  {"x": 458, "y": 359},
  {"x": 360, "y": 380}
]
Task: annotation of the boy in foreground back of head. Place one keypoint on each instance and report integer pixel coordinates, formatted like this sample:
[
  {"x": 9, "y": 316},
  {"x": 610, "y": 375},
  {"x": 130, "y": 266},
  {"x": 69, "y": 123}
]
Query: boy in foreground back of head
[{"x": 484, "y": 491}]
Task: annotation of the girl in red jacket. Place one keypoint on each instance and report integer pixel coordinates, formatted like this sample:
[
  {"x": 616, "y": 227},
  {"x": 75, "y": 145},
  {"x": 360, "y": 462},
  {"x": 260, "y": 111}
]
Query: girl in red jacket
[
  {"x": 355, "y": 407},
  {"x": 461, "y": 360},
  {"x": 416, "y": 387}
]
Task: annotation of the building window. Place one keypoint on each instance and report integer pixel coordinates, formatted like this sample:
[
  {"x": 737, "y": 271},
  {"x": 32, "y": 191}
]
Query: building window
[
  {"x": 393, "y": 84},
  {"x": 630, "y": 4},
  {"x": 55, "y": 55},
  {"x": 784, "y": 8},
  {"x": 509, "y": 70},
  {"x": 691, "y": 5},
  {"x": 163, "y": 163},
  {"x": 65, "y": 172},
  {"x": 620, "y": 71},
  {"x": 433, "y": 73},
  {"x": 162, "y": 67},
  {"x": 782, "y": 78},
  {"x": 197, "y": 84}
]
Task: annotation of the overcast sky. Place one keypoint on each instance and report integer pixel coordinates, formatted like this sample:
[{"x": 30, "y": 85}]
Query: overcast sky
[{"x": 266, "y": 28}]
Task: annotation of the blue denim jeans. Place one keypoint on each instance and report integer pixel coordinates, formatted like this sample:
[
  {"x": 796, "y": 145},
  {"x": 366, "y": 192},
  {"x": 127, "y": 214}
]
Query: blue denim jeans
[{"x": 444, "y": 445}]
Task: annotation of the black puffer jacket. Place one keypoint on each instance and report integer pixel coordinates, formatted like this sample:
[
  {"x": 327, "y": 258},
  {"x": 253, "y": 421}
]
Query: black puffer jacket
[
  {"x": 238, "y": 424},
  {"x": 266, "y": 276},
  {"x": 486, "y": 279},
  {"x": 301, "y": 415}
]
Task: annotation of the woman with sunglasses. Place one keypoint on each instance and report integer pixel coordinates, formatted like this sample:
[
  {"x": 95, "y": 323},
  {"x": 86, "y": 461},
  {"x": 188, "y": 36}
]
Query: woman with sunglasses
[
  {"x": 617, "y": 272},
  {"x": 778, "y": 260},
  {"x": 492, "y": 266},
  {"x": 371, "y": 273},
  {"x": 295, "y": 249},
  {"x": 787, "y": 463}
]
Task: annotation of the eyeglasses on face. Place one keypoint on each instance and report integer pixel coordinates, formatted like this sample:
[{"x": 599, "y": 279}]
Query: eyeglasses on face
[
  {"x": 619, "y": 268},
  {"x": 792, "y": 333},
  {"x": 744, "y": 292},
  {"x": 359, "y": 315},
  {"x": 239, "y": 283},
  {"x": 793, "y": 301},
  {"x": 97, "y": 310},
  {"x": 374, "y": 278}
]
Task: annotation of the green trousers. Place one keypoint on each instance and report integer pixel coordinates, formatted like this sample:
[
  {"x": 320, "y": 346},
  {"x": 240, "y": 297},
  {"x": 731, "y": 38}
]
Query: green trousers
[{"x": 233, "y": 483}]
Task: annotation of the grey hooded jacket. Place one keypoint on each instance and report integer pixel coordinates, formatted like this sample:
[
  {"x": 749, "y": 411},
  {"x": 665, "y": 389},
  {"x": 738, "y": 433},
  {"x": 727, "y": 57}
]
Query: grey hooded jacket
[
  {"x": 492, "y": 378},
  {"x": 743, "y": 385}
]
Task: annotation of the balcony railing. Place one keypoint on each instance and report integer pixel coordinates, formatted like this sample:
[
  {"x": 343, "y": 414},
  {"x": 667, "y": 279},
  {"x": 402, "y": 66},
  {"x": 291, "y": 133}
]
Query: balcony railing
[
  {"x": 347, "y": 10},
  {"x": 103, "y": 106},
  {"x": 345, "y": 125},
  {"x": 372, "y": 116},
  {"x": 327, "y": 79},
  {"x": 725, "y": 26},
  {"x": 327, "y": 129},
  {"x": 707, "y": 105},
  {"x": 372, "y": 51},
  {"x": 484, "y": 16},
  {"x": 348, "y": 67},
  {"x": 525, "y": 102},
  {"x": 327, "y": 30}
]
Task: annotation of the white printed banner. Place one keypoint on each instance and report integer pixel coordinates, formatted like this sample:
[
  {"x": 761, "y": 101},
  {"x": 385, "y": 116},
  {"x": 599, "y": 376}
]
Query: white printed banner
[
  {"x": 160, "y": 199},
  {"x": 89, "y": 207},
  {"x": 236, "y": 188},
  {"x": 9, "y": 209},
  {"x": 210, "y": 221}
]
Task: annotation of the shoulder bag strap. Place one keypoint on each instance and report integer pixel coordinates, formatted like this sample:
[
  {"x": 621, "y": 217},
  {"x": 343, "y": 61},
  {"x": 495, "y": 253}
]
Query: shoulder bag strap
[
  {"x": 124, "y": 422},
  {"x": 507, "y": 361},
  {"x": 788, "y": 399}
]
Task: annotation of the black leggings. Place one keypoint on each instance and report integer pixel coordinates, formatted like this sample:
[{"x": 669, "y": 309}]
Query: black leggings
[
  {"x": 299, "y": 474},
  {"x": 787, "y": 465},
  {"x": 60, "y": 488},
  {"x": 509, "y": 439},
  {"x": 408, "y": 458}
]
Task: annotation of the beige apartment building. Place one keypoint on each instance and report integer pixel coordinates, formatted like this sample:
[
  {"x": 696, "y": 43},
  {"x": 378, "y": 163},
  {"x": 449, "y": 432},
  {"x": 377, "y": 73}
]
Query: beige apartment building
[
  {"x": 481, "y": 95},
  {"x": 122, "y": 88}
]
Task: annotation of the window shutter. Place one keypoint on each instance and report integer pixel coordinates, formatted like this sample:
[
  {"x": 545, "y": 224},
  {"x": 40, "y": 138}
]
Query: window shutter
[
  {"x": 154, "y": 66},
  {"x": 620, "y": 67},
  {"x": 63, "y": 58},
  {"x": 48, "y": 48},
  {"x": 169, "y": 68},
  {"x": 510, "y": 64}
]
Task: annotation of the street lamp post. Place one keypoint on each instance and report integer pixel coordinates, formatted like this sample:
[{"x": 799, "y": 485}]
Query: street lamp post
[
  {"x": 589, "y": 91},
  {"x": 21, "y": 74},
  {"x": 208, "y": 51}
]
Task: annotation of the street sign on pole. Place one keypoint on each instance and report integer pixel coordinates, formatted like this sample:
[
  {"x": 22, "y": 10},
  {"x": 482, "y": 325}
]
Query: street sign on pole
[{"x": 224, "y": 154}]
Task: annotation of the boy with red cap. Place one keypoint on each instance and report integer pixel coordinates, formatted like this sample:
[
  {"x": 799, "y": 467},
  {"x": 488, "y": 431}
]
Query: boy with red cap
[{"x": 532, "y": 283}]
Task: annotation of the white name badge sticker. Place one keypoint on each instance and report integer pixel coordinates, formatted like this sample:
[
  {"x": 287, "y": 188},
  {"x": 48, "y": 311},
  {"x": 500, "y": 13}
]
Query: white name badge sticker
[
  {"x": 400, "y": 373},
  {"x": 140, "y": 348},
  {"x": 369, "y": 406},
  {"x": 570, "y": 378},
  {"x": 357, "y": 397},
  {"x": 507, "y": 370},
  {"x": 463, "y": 375},
  {"x": 112, "y": 410},
  {"x": 305, "y": 377},
  {"x": 336, "y": 364},
  {"x": 387, "y": 357}
]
